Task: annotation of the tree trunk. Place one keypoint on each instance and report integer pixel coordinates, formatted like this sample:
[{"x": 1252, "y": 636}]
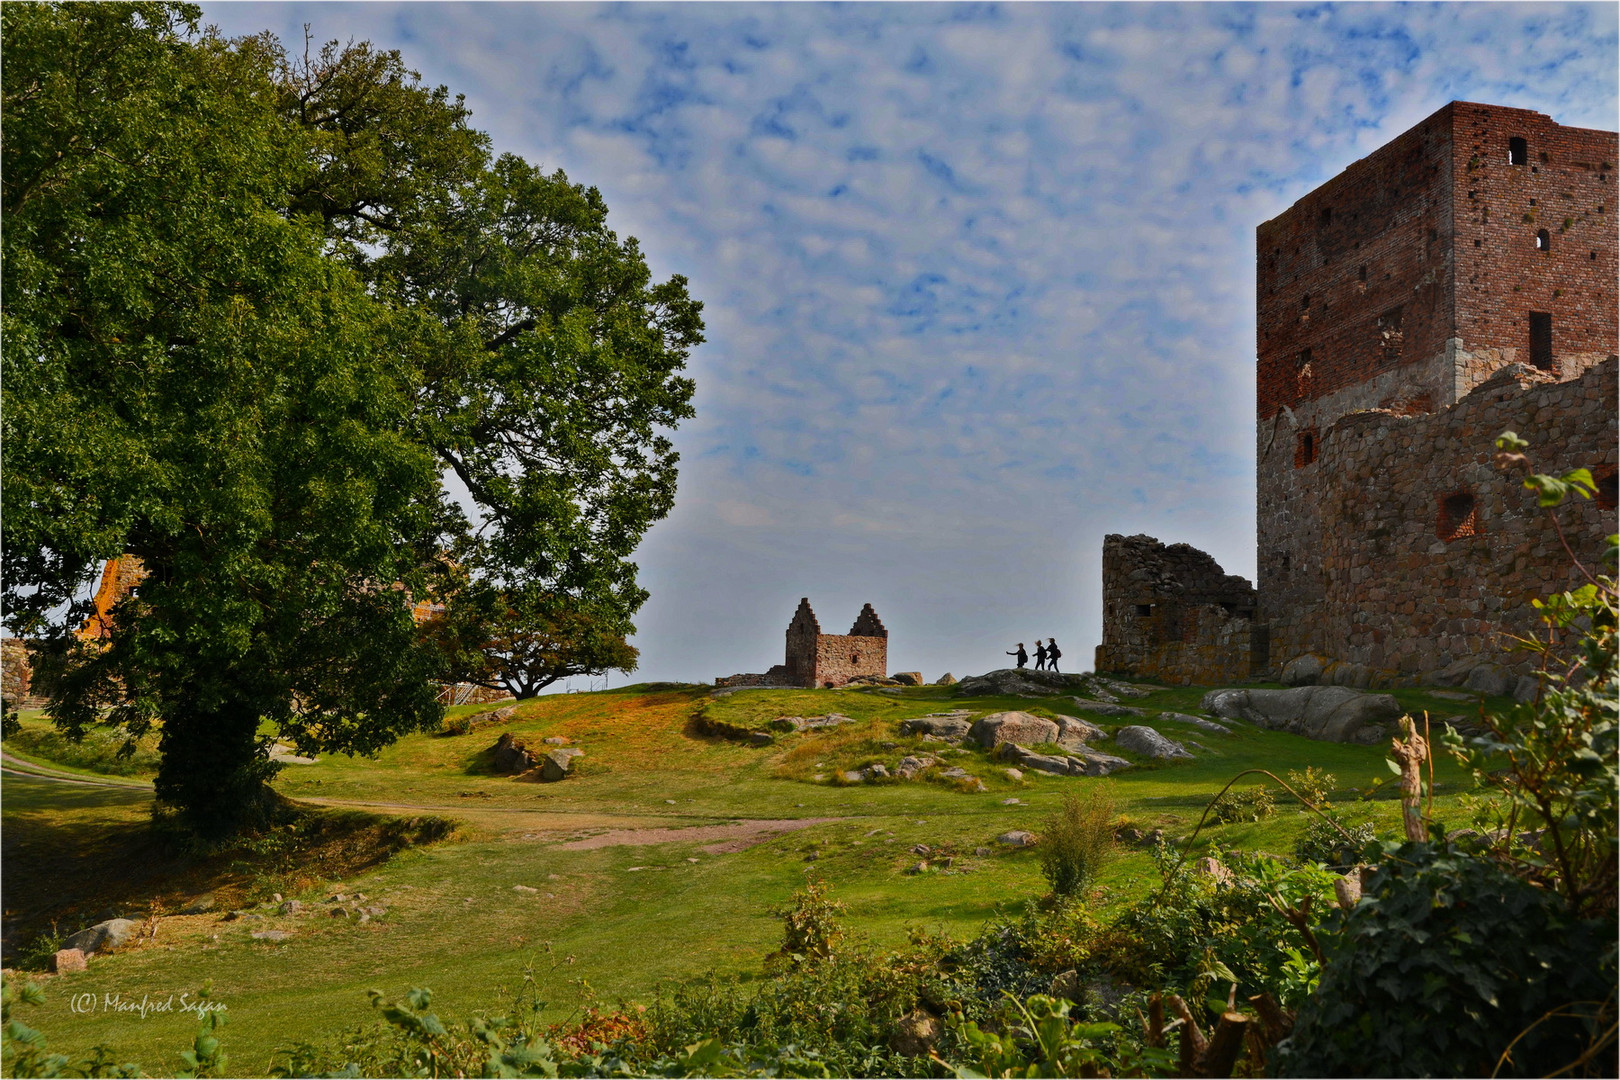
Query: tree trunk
[
  {"x": 1410, "y": 754},
  {"x": 212, "y": 769}
]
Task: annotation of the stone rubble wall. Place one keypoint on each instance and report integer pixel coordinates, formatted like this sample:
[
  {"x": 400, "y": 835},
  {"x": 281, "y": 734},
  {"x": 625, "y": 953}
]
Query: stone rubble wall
[
  {"x": 841, "y": 657},
  {"x": 1411, "y": 550},
  {"x": 1171, "y": 613}
]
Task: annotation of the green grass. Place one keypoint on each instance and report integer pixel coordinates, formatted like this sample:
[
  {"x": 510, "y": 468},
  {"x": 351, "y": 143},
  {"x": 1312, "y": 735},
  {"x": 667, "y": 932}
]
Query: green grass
[{"x": 455, "y": 923}]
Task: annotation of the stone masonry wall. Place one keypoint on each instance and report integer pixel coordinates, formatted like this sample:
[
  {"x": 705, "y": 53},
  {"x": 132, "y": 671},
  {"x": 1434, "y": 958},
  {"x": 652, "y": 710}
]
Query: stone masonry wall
[
  {"x": 814, "y": 659},
  {"x": 1173, "y": 614},
  {"x": 1421, "y": 553}
]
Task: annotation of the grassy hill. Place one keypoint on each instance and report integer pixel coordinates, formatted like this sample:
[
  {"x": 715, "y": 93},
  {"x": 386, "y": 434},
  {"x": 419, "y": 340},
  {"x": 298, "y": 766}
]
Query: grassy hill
[{"x": 513, "y": 890}]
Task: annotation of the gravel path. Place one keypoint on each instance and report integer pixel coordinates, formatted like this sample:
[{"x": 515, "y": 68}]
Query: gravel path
[{"x": 737, "y": 836}]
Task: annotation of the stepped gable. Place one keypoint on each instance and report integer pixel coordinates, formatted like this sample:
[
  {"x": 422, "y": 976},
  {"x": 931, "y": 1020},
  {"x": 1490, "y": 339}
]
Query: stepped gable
[{"x": 867, "y": 624}]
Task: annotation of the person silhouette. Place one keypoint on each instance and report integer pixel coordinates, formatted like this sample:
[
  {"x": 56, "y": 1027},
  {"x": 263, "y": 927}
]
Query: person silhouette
[
  {"x": 1040, "y": 655},
  {"x": 1052, "y": 654},
  {"x": 1023, "y": 657}
]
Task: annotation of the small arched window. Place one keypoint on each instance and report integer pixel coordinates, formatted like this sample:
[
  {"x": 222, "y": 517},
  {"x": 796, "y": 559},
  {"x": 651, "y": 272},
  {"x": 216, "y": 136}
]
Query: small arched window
[
  {"x": 1518, "y": 151},
  {"x": 1543, "y": 240},
  {"x": 1458, "y": 516}
]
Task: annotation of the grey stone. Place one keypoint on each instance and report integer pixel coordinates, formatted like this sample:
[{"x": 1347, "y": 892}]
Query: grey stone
[
  {"x": 1327, "y": 713},
  {"x": 852, "y": 777},
  {"x": 908, "y": 678},
  {"x": 525, "y": 889},
  {"x": 199, "y": 905},
  {"x": 1014, "y": 775},
  {"x": 1028, "y": 759},
  {"x": 270, "y": 935},
  {"x": 291, "y": 907},
  {"x": 1303, "y": 670},
  {"x": 875, "y": 772},
  {"x": 555, "y": 764},
  {"x": 511, "y": 756},
  {"x": 1146, "y": 741},
  {"x": 952, "y": 725},
  {"x": 1012, "y": 727},
  {"x": 1526, "y": 689},
  {"x": 1197, "y": 722},
  {"x": 1017, "y": 838},
  {"x": 1020, "y": 682},
  {"x": 102, "y": 936},
  {"x": 1072, "y": 729},
  {"x": 946, "y": 679},
  {"x": 956, "y": 773},
  {"x": 1105, "y": 708},
  {"x": 760, "y": 738},
  {"x": 1493, "y": 679},
  {"x": 556, "y": 740},
  {"x": 1086, "y": 762},
  {"x": 910, "y": 765}
]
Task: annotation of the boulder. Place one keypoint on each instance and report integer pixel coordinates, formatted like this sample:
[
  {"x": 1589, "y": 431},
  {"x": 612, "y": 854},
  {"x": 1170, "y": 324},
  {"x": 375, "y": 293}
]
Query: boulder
[
  {"x": 908, "y": 678},
  {"x": 1020, "y": 682},
  {"x": 916, "y": 1033},
  {"x": 1015, "y": 776},
  {"x": 1146, "y": 741},
  {"x": 1013, "y": 727},
  {"x": 1215, "y": 870},
  {"x": 67, "y": 960},
  {"x": 554, "y": 765},
  {"x": 1303, "y": 670},
  {"x": 291, "y": 907},
  {"x": 1074, "y": 731},
  {"x": 760, "y": 738},
  {"x": 1017, "y": 838},
  {"x": 1197, "y": 722},
  {"x": 555, "y": 740},
  {"x": 1105, "y": 708},
  {"x": 872, "y": 680},
  {"x": 1525, "y": 690},
  {"x": 875, "y": 772},
  {"x": 910, "y": 765},
  {"x": 1085, "y": 762},
  {"x": 956, "y": 772},
  {"x": 946, "y": 679},
  {"x": 200, "y": 904},
  {"x": 951, "y": 725},
  {"x": 1493, "y": 679},
  {"x": 1326, "y": 713},
  {"x": 102, "y": 936},
  {"x": 1028, "y": 759},
  {"x": 511, "y": 756}
]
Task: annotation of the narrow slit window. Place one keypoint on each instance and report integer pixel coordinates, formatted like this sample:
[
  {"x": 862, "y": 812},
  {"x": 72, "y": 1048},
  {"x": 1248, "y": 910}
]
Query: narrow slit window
[
  {"x": 1518, "y": 151},
  {"x": 1144, "y": 609},
  {"x": 1458, "y": 517},
  {"x": 1305, "y": 448},
  {"x": 1541, "y": 340},
  {"x": 1543, "y": 240}
]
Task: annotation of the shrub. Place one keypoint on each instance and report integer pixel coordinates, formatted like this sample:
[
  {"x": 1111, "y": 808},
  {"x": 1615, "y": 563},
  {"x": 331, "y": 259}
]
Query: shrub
[
  {"x": 810, "y": 924},
  {"x": 1322, "y": 843},
  {"x": 1313, "y": 784},
  {"x": 1242, "y": 804},
  {"x": 1447, "y": 961},
  {"x": 1076, "y": 842}
]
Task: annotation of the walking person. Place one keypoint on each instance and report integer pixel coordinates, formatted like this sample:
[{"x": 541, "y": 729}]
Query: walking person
[
  {"x": 1040, "y": 655},
  {"x": 1023, "y": 657},
  {"x": 1052, "y": 654}
]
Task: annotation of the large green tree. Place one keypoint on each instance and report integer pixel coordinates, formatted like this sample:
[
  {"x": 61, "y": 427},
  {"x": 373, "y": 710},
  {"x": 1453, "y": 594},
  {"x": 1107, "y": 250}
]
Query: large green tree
[{"x": 256, "y": 309}]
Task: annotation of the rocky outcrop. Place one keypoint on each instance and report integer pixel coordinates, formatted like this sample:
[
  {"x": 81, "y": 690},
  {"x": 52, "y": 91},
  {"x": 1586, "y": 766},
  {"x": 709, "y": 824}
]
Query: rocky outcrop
[
  {"x": 1020, "y": 682},
  {"x": 908, "y": 678},
  {"x": 1012, "y": 727},
  {"x": 511, "y": 756},
  {"x": 555, "y": 764},
  {"x": 1326, "y": 713},
  {"x": 946, "y": 679},
  {"x": 950, "y": 725},
  {"x": 1149, "y": 743},
  {"x": 102, "y": 936}
]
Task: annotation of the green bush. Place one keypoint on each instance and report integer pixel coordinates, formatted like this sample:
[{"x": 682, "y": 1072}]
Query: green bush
[
  {"x": 1242, "y": 804},
  {"x": 1322, "y": 842},
  {"x": 1313, "y": 785},
  {"x": 1448, "y": 960},
  {"x": 102, "y": 750},
  {"x": 1076, "y": 842},
  {"x": 810, "y": 925}
]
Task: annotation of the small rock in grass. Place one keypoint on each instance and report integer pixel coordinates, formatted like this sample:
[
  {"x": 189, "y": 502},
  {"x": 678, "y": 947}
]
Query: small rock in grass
[
  {"x": 1014, "y": 775},
  {"x": 1017, "y": 838},
  {"x": 981, "y": 852},
  {"x": 556, "y": 740},
  {"x": 291, "y": 907},
  {"x": 270, "y": 935},
  {"x": 67, "y": 960},
  {"x": 1012, "y": 802},
  {"x": 525, "y": 888}
]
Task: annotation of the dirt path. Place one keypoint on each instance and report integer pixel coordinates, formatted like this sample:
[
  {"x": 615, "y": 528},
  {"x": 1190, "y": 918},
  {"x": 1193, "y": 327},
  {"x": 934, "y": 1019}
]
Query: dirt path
[
  {"x": 13, "y": 766},
  {"x": 736, "y": 836}
]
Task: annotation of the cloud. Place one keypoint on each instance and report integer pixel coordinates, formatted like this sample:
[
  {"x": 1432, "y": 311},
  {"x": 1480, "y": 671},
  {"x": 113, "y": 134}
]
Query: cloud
[{"x": 978, "y": 279}]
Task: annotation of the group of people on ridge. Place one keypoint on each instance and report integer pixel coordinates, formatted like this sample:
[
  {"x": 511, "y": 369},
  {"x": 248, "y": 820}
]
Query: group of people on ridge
[{"x": 1046, "y": 656}]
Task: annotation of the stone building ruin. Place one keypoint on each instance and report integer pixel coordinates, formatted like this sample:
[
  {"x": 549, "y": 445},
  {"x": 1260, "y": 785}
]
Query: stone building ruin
[
  {"x": 1454, "y": 284},
  {"x": 815, "y": 659}
]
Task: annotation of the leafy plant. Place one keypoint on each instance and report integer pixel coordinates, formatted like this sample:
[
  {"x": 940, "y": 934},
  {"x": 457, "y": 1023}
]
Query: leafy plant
[
  {"x": 810, "y": 924},
  {"x": 1245, "y": 804},
  {"x": 1324, "y": 841},
  {"x": 1313, "y": 785},
  {"x": 1452, "y": 966},
  {"x": 1036, "y": 1037},
  {"x": 1076, "y": 842}
]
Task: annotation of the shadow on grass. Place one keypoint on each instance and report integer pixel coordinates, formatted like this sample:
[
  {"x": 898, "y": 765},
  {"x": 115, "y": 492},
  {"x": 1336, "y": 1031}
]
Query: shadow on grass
[{"x": 76, "y": 855}]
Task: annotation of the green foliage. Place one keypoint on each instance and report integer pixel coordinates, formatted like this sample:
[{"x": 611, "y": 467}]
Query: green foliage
[
  {"x": 1037, "y": 1038},
  {"x": 1242, "y": 804},
  {"x": 1076, "y": 842},
  {"x": 1448, "y": 960},
  {"x": 254, "y": 308},
  {"x": 810, "y": 924},
  {"x": 1323, "y": 842},
  {"x": 524, "y": 651},
  {"x": 101, "y": 750},
  {"x": 1313, "y": 784}
]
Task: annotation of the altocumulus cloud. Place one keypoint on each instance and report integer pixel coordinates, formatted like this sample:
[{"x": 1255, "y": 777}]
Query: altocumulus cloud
[{"x": 979, "y": 278}]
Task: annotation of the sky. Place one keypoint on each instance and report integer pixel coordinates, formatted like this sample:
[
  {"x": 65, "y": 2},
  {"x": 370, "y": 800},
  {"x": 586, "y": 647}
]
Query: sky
[{"x": 978, "y": 279}]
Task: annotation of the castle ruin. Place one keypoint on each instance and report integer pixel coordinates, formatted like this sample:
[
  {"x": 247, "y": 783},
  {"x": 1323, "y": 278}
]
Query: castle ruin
[
  {"x": 815, "y": 659},
  {"x": 1454, "y": 284}
]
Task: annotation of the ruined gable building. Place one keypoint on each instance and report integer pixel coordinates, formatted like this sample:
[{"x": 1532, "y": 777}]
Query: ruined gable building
[
  {"x": 815, "y": 659},
  {"x": 1454, "y": 284}
]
